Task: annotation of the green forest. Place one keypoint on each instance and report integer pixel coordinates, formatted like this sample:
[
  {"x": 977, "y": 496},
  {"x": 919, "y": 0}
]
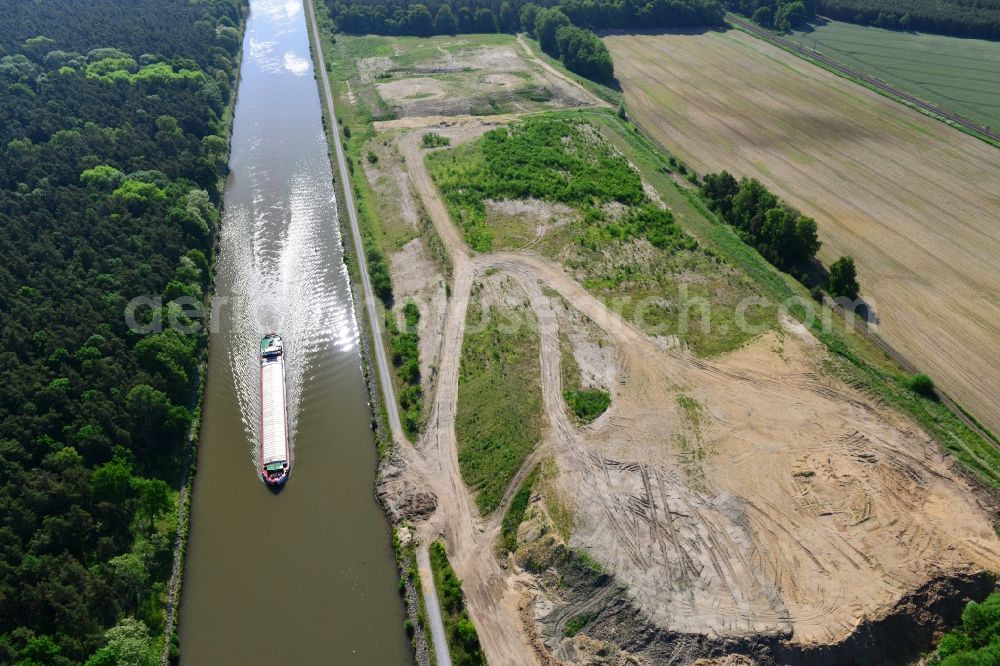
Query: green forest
[
  {"x": 780, "y": 15},
  {"x": 961, "y": 18},
  {"x": 432, "y": 17},
  {"x": 564, "y": 28},
  {"x": 113, "y": 146}
]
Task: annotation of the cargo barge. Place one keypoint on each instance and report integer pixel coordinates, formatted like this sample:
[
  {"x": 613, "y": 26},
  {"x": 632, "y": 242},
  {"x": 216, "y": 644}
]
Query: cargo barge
[{"x": 275, "y": 453}]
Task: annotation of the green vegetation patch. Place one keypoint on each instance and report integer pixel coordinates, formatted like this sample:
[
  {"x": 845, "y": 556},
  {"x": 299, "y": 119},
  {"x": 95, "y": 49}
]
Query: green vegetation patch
[
  {"x": 515, "y": 513},
  {"x": 542, "y": 158},
  {"x": 976, "y": 640},
  {"x": 405, "y": 347},
  {"x": 587, "y": 404},
  {"x": 499, "y": 414},
  {"x": 463, "y": 640},
  {"x": 434, "y": 140},
  {"x": 576, "y": 623},
  {"x": 620, "y": 245}
]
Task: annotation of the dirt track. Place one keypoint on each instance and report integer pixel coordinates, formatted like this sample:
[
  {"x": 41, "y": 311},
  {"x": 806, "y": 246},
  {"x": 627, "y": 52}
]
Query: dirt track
[
  {"x": 789, "y": 504},
  {"x": 912, "y": 200}
]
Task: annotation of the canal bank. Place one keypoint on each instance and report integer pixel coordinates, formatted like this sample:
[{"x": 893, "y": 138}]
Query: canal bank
[
  {"x": 306, "y": 575},
  {"x": 419, "y": 593}
]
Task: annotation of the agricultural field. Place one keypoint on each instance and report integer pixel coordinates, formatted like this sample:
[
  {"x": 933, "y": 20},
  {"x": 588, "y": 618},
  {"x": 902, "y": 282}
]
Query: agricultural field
[
  {"x": 913, "y": 200},
  {"x": 959, "y": 74}
]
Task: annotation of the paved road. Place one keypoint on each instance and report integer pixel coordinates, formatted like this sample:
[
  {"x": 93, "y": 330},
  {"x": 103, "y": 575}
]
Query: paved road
[
  {"x": 888, "y": 88},
  {"x": 371, "y": 304},
  {"x": 385, "y": 379}
]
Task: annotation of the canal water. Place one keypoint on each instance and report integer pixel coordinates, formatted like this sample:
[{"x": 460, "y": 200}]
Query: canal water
[{"x": 306, "y": 575}]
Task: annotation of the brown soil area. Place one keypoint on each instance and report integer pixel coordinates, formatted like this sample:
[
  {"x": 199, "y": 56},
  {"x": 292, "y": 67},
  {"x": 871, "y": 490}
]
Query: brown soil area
[
  {"x": 752, "y": 498},
  {"x": 914, "y": 201}
]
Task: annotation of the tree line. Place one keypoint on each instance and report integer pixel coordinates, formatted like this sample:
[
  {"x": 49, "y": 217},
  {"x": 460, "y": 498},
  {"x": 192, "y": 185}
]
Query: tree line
[
  {"x": 579, "y": 49},
  {"x": 782, "y": 235},
  {"x": 961, "y": 18},
  {"x": 778, "y": 15},
  {"x": 565, "y": 27},
  {"x": 403, "y": 17},
  {"x": 113, "y": 145}
]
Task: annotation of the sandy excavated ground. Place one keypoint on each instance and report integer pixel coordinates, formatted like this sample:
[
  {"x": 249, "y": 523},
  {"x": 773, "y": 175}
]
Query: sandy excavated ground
[
  {"x": 915, "y": 202},
  {"x": 469, "y": 78},
  {"x": 751, "y": 493},
  {"x": 416, "y": 275}
]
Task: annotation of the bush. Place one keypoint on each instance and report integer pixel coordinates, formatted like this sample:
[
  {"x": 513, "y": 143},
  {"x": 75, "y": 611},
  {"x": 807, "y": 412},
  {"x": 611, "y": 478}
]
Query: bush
[
  {"x": 587, "y": 404},
  {"x": 379, "y": 273},
  {"x": 922, "y": 385},
  {"x": 405, "y": 348},
  {"x": 432, "y": 140}
]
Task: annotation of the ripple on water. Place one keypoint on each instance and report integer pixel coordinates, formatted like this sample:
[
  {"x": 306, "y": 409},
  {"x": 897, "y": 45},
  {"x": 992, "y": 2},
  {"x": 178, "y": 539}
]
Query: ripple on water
[{"x": 287, "y": 276}]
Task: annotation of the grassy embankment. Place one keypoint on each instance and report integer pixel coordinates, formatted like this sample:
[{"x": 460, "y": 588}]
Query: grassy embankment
[
  {"x": 498, "y": 419},
  {"x": 515, "y": 513},
  {"x": 383, "y": 438},
  {"x": 374, "y": 163},
  {"x": 463, "y": 641},
  {"x": 539, "y": 480}
]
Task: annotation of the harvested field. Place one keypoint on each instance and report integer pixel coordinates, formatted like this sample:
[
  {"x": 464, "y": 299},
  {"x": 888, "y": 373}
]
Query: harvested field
[{"x": 914, "y": 201}]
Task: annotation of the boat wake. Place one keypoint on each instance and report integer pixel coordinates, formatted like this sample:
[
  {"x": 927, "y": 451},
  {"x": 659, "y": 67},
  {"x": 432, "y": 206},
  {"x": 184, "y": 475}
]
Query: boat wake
[{"x": 288, "y": 277}]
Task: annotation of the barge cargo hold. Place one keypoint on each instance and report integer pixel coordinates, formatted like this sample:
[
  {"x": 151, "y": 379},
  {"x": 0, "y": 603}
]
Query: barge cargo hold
[{"x": 275, "y": 452}]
